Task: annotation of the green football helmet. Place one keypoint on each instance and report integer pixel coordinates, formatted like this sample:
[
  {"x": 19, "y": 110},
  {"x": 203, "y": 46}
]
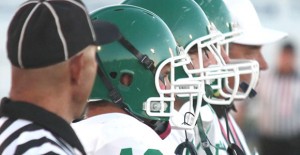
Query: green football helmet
[
  {"x": 179, "y": 14},
  {"x": 218, "y": 13},
  {"x": 134, "y": 65},
  {"x": 192, "y": 29}
]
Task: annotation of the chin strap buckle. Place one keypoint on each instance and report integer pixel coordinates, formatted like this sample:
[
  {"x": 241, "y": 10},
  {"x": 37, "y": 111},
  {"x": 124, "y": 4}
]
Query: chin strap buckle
[
  {"x": 148, "y": 63},
  {"x": 115, "y": 96}
]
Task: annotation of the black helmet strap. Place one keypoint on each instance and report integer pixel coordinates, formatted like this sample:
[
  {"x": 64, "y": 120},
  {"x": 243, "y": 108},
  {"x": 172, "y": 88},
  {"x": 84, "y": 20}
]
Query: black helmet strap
[
  {"x": 143, "y": 59},
  {"x": 114, "y": 94}
]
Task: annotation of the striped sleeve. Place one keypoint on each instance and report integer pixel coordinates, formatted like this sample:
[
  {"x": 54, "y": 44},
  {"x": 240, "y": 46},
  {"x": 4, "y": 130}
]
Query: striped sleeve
[{"x": 24, "y": 137}]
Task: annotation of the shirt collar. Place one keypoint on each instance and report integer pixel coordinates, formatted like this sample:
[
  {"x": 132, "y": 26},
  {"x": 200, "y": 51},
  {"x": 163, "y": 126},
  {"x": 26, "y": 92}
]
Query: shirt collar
[{"x": 38, "y": 115}]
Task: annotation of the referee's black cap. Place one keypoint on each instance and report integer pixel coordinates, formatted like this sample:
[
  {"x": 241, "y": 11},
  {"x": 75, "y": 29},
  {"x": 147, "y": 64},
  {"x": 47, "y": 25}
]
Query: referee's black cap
[{"x": 47, "y": 32}]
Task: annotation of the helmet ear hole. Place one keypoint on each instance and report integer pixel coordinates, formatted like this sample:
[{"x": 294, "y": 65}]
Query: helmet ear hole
[
  {"x": 113, "y": 74},
  {"x": 126, "y": 79}
]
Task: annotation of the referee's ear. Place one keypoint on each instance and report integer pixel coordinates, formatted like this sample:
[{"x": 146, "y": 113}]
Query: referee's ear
[
  {"x": 83, "y": 67},
  {"x": 76, "y": 66}
]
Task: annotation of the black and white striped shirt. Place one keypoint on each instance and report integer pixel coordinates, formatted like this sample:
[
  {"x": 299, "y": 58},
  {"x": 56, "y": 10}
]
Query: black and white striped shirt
[
  {"x": 278, "y": 105},
  {"x": 28, "y": 129}
]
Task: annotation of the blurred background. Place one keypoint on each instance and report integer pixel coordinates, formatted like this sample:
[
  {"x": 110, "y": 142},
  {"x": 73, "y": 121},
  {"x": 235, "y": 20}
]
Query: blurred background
[{"x": 280, "y": 15}]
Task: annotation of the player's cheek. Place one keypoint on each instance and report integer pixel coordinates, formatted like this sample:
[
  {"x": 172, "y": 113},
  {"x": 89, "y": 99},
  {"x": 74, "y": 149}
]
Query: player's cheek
[{"x": 162, "y": 86}]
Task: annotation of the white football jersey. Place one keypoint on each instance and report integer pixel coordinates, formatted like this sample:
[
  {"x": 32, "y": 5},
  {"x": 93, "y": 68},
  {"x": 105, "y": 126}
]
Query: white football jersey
[
  {"x": 236, "y": 132},
  {"x": 178, "y": 135},
  {"x": 212, "y": 130},
  {"x": 217, "y": 133},
  {"x": 118, "y": 134}
]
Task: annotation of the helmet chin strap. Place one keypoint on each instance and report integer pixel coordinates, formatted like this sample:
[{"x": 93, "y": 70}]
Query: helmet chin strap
[
  {"x": 186, "y": 145},
  {"x": 114, "y": 94},
  {"x": 158, "y": 126},
  {"x": 244, "y": 86}
]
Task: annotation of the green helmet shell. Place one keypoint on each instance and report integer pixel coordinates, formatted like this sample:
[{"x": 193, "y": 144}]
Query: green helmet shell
[
  {"x": 190, "y": 26},
  {"x": 150, "y": 36},
  {"x": 217, "y": 13},
  {"x": 185, "y": 18}
]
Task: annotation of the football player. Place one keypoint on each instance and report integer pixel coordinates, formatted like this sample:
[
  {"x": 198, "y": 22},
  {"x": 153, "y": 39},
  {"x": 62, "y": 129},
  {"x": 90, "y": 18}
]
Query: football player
[
  {"x": 219, "y": 14},
  {"x": 133, "y": 87},
  {"x": 190, "y": 26},
  {"x": 195, "y": 34}
]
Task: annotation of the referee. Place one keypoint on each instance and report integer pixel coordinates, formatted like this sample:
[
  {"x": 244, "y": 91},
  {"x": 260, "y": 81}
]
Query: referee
[{"x": 51, "y": 46}]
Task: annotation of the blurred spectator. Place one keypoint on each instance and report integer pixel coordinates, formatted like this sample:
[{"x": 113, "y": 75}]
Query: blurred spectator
[{"x": 278, "y": 106}]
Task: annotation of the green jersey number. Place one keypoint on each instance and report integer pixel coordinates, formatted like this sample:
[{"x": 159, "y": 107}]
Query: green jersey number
[{"x": 128, "y": 151}]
